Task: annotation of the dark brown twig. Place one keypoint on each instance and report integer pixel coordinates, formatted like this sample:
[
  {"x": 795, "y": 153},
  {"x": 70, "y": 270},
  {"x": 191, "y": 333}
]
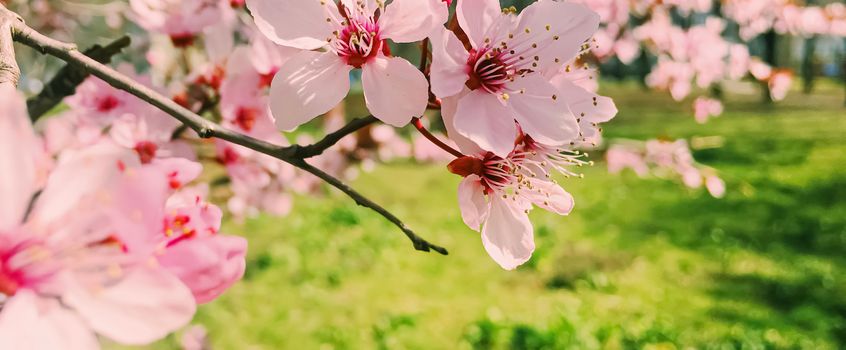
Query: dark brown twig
[
  {"x": 331, "y": 139},
  {"x": 64, "y": 83}
]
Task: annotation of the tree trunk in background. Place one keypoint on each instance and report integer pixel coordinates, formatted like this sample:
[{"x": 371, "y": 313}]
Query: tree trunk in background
[
  {"x": 808, "y": 64},
  {"x": 770, "y": 43},
  {"x": 642, "y": 68}
]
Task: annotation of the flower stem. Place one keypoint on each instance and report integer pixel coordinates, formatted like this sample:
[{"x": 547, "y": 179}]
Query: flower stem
[{"x": 422, "y": 129}]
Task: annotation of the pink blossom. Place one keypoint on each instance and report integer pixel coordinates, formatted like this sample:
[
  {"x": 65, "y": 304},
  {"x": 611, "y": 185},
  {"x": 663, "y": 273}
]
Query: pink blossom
[
  {"x": 391, "y": 144},
  {"x": 621, "y": 157},
  {"x": 62, "y": 279},
  {"x": 716, "y": 187},
  {"x": 259, "y": 182},
  {"x": 97, "y": 103},
  {"x": 760, "y": 70},
  {"x": 195, "y": 338},
  {"x": 312, "y": 82},
  {"x": 627, "y": 49},
  {"x": 178, "y": 228},
  {"x": 671, "y": 75},
  {"x": 496, "y": 196},
  {"x": 613, "y": 12},
  {"x": 780, "y": 82},
  {"x": 674, "y": 157},
  {"x": 589, "y": 108},
  {"x": 500, "y": 70},
  {"x": 837, "y": 12},
  {"x": 182, "y": 20},
  {"x": 497, "y": 193},
  {"x": 243, "y": 101},
  {"x": 207, "y": 262},
  {"x": 739, "y": 61},
  {"x": 427, "y": 152},
  {"x": 705, "y": 108}
]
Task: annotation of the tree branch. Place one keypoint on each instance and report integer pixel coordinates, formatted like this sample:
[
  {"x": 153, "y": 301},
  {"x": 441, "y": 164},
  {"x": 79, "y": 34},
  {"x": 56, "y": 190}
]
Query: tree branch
[
  {"x": 205, "y": 128},
  {"x": 9, "y": 71},
  {"x": 331, "y": 139},
  {"x": 69, "y": 77}
]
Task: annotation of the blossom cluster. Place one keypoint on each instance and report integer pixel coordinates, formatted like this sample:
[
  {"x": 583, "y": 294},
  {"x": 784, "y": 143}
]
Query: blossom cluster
[
  {"x": 505, "y": 82},
  {"x": 759, "y": 16},
  {"x": 98, "y": 237},
  {"x": 697, "y": 44},
  {"x": 664, "y": 158}
]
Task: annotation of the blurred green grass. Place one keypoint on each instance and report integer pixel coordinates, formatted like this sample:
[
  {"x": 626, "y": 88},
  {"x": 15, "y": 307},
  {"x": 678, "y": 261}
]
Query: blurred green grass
[{"x": 640, "y": 264}]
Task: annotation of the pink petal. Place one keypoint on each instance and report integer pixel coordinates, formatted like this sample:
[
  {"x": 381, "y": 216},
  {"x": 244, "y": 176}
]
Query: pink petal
[
  {"x": 507, "y": 235},
  {"x": 541, "y": 112},
  {"x": 448, "y": 108},
  {"x": 395, "y": 91},
  {"x": 295, "y": 23},
  {"x": 449, "y": 60},
  {"x": 573, "y": 24},
  {"x": 471, "y": 200},
  {"x": 145, "y": 306},
  {"x": 550, "y": 196},
  {"x": 28, "y": 321},
  {"x": 482, "y": 118},
  {"x": 209, "y": 265},
  {"x": 716, "y": 187},
  {"x": 80, "y": 174},
  {"x": 308, "y": 85},
  {"x": 17, "y": 157},
  {"x": 476, "y": 16},
  {"x": 406, "y": 21},
  {"x": 600, "y": 110}
]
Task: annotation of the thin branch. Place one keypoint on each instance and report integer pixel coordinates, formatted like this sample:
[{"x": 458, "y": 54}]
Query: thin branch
[
  {"x": 419, "y": 243},
  {"x": 204, "y": 128},
  {"x": 418, "y": 124},
  {"x": 331, "y": 139},
  {"x": 64, "y": 83}
]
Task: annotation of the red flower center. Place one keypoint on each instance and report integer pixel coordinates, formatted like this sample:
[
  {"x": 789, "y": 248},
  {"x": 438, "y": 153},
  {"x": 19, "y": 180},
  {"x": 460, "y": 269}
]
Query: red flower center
[
  {"x": 487, "y": 71},
  {"x": 107, "y": 104},
  {"x": 146, "y": 151}
]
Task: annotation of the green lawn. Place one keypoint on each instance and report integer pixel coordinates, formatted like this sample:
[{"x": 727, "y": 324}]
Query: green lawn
[{"x": 641, "y": 263}]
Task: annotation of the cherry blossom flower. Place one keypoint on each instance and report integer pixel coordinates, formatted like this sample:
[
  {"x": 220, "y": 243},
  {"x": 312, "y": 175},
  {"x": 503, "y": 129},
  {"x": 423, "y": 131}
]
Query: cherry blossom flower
[
  {"x": 195, "y": 337},
  {"x": 391, "y": 145},
  {"x": 207, "y": 262},
  {"x": 427, "y": 152},
  {"x": 739, "y": 61},
  {"x": 705, "y": 108},
  {"x": 97, "y": 103},
  {"x": 496, "y": 196},
  {"x": 354, "y": 34},
  {"x": 672, "y": 75},
  {"x": 259, "y": 182},
  {"x": 497, "y": 193},
  {"x": 62, "y": 278},
  {"x": 760, "y": 70},
  {"x": 182, "y": 20},
  {"x": 779, "y": 83},
  {"x": 589, "y": 108},
  {"x": 716, "y": 187},
  {"x": 620, "y": 157},
  {"x": 500, "y": 64}
]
